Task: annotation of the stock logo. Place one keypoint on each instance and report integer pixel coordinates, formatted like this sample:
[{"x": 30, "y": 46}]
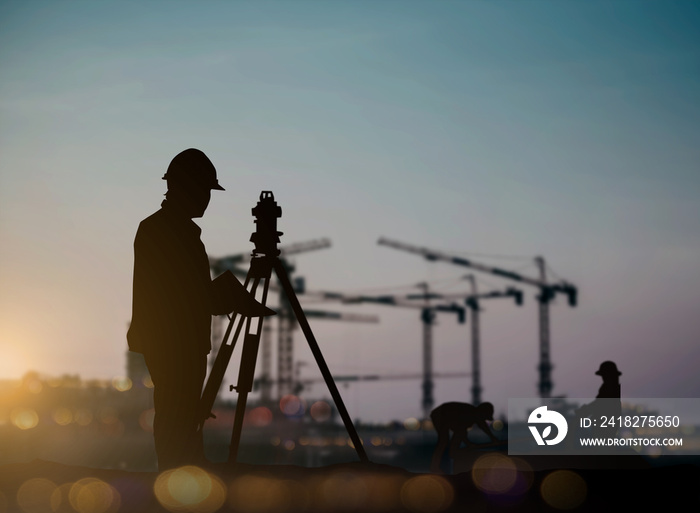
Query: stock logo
[{"x": 542, "y": 415}]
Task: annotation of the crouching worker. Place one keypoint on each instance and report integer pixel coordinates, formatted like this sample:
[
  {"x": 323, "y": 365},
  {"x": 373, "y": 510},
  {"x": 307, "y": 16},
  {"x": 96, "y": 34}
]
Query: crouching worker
[
  {"x": 174, "y": 299},
  {"x": 458, "y": 418}
]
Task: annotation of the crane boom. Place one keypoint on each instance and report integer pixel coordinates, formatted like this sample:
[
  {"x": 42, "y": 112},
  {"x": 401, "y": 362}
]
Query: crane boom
[
  {"x": 567, "y": 288},
  {"x": 341, "y": 316},
  {"x": 547, "y": 293},
  {"x": 232, "y": 261}
]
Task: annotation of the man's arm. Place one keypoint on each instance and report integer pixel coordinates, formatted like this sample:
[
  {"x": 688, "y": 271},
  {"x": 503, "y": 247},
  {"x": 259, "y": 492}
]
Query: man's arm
[{"x": 485, "y": 428}]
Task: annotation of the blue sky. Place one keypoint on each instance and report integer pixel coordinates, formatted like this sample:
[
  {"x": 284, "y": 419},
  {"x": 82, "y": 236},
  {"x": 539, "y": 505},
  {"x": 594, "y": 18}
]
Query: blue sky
[{"x": 564, "y": 129}]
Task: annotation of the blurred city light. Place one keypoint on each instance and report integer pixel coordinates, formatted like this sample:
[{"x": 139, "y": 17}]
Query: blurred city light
[
  {"x": 564, "y": 489},
  {"x": 92, "y": 495},
  {"x": 320, "y": 411},
  {"x": 62, "y": 416},
  {"x": 344, "y": 489},
  {"x": 411, "y": 423},
  {"x": 427, "y": 494},
  {"x": 122, "y": 383},
  {"x": 259, "y": 417},
  {"x": 494, "y": 473},
  {"x": 146, "y": 420},
  {"x": 37, "y": 495},
  {"x": 24, "y": 418},
  {"x": 258, "y": 493},
  {"x": 190, "y": 489},
  {"x": 292, "y": 406}
]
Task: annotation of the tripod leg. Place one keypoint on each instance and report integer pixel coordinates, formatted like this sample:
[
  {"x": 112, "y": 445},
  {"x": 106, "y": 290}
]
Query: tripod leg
[
  {"x": 313, "y": 345},
  {"x": 245, "y": 381},
  {"x": 246, "y": 374},
  {"x": 218, "y": 370}
]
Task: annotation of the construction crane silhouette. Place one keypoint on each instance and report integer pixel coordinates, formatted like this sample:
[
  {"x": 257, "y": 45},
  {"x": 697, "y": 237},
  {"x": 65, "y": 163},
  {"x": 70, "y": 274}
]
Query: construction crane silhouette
[
  {"x": 472, "y": 301},
  {"x": 428, "y": 313},
  {"x": 546, "y": 295},
  {"x": 286, "y": 321}
]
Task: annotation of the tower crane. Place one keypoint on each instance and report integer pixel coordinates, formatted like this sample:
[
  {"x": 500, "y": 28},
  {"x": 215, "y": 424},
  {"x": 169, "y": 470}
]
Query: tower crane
[
  {"x": 547, "y": 293},
  {"x": 428, "y": 312},
  {"x": 472, "y": 302}
]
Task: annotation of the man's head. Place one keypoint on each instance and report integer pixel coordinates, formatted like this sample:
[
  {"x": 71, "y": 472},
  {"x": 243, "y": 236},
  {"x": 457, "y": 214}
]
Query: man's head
[
  {"x": 191, "y": 176},
  {"x": 608, "y": 370},
  {"x": 485, "y": 411}
]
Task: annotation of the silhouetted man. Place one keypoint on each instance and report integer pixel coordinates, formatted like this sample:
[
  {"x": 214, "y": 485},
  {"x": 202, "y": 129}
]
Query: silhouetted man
[
  {"x": 607, "y": 401},
  {"x": 174, "y": 298},
  {"x": 458, "y": 418}
]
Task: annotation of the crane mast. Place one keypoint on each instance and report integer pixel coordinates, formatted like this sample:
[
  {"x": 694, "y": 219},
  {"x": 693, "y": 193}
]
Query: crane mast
[
  {"x": 547, "y": 293},
  {"x": 473, "y": 305},
  {"x": 428, "y": 312},
  {"x": 472, "y": 302}
]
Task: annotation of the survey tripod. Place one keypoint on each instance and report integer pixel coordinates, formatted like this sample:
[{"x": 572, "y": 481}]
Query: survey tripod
[{"x": 265, "y": 259}]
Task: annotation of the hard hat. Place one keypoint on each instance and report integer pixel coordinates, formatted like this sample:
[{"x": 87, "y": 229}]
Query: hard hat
[
  {"x": 608, "y": 368},
  {"x": 192, "y": 167}
]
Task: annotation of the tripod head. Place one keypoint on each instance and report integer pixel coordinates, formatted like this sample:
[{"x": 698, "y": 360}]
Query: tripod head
[{"x": 265, "y": 237}]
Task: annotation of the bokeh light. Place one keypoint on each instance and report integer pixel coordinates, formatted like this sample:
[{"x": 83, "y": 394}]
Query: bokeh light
[
  {"x": 83, "y": 417},
  {"x": 92, "y": 495},
  {"x": 259, "y": 417},
  {"x": 122, "y": 383},
  {"x": 24, "y": 418},
  {"x": 292, "y": 406},
  {"x": 564, "y": 489},
  {"x": 62, "y": 416},
  {"x": 320, "y": 411},
  {"x": 427, "y": 494},
  {"x": 343, "y": 490},
  {"x": 146, "y": 420},
  {"x": 384, "y": 492},
  {"x": 494, "y": 473},
  {"x": 258, "y": 493},
  {"x": 37, "y": 496},
  {"x": 60, "y": 498},
  {"x": 524, "y": 479},
  {"x": 411, "y": 423},
  {"x": 191, "y": 489}
]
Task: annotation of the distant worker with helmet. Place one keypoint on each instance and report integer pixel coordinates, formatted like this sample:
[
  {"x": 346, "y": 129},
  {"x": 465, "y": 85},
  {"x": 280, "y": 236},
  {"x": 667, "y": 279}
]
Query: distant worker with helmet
[
  {"x": 174, "y": 298},
  {"x": 607, "y": 401}
]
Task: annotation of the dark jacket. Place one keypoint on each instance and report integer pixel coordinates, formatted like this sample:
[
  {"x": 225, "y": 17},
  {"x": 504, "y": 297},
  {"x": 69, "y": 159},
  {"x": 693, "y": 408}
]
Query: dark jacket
[{"x": 173, "y": 295}]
